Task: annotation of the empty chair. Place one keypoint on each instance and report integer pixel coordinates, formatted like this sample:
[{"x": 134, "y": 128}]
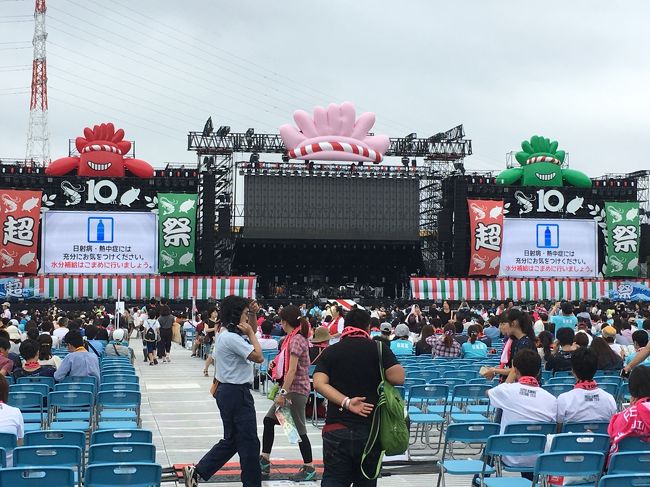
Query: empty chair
[
  {"x": 70, "y": 410},
  {"x": 42, "y": 389},
  {"x": 119, "y": 386},
  {"x": 611, "y": 387},
  {"x": 564, "y": 373},
  {"x": 517, "y": 446},
  {"x": 8, "y": 442},
  {"x": 122, "y": 406},
  {"x": 625, "y": 480},
  {"x": 75, "y": 386},
  {"x": 31, "y": 408},
  {"x": 629, "y": 463},
  {"x": 56, "y": 438},
  {"x": 468, "y": 398},
  {"x": 427, "y": 407},
  {"x": 531, "y": 428},
  {"x": 586, "y": 427},
  {"x": 49, "y": 456},
  {"x": 562, "y": 380},
  {"x": 427, "y": 375},
  {"x": 634, "y": 443},
  {"x": 122, "y": 453},
  {"x": 37, "y": 477},
  {"x": 37, "y": 379},
  {"x": 131, "y": 474},
  {"x": 569, "y": 464},
  {"x": 84, "y": 379},
  {"x": 121, "y": 378},
  {"x": 460, "y": 374},
  {"x": 121, "y": 436},
  {"x": 468, "y": 433},
  {"x": 580, "y": 442}
]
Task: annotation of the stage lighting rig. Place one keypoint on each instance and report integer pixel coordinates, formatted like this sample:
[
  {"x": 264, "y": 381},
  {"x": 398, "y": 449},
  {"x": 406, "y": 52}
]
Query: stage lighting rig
[
  {"x": 255, "y": 158},
  {"x": 405, "y": 161},
  {"x": 223, "y": 131},
  {"x": 207, "y": 128}
]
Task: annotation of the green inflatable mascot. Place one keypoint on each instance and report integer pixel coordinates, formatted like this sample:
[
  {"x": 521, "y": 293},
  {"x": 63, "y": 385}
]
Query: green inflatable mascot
[{"x": 541, "y": 166}]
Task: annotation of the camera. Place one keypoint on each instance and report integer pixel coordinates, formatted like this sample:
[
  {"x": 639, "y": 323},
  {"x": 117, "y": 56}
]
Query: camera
[{"x": 232, "y": 327}]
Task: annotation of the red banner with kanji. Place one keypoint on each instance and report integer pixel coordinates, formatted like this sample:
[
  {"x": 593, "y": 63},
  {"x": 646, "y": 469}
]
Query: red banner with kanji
[
  {"x": 486, "y": 226},
  {"x": 19, "y": 220}
]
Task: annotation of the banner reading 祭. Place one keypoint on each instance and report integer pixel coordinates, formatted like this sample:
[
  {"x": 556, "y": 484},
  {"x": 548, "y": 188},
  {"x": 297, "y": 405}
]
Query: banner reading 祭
[
  {"x": 486, "y": 222},
  {"x": 177, "y": 232},
  {"x": 20, "y": 219},
  {"x": 622, "y": 239}
]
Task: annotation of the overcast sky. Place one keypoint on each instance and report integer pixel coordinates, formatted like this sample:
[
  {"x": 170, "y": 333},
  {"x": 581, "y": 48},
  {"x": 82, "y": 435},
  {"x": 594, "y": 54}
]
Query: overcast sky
[{"x": 577, "y": 71}]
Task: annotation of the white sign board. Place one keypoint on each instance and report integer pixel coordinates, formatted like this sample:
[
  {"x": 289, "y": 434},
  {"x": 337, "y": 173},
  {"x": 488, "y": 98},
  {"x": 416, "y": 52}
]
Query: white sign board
[
  {"x": 549, "y": 248},
  {"x": 93, "y": 242}
]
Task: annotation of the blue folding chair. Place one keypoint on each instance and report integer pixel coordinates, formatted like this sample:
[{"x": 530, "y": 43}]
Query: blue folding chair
[
  {"x": 263, "y": 370},
  {"x": 629, "y": 463},
  {"x": 56, "y": 438},
  {"x": 3, "y": 458},
  {"x": 122, "y": 453},
  {"x": 610, "y": 387},
  {"x": 580, "y": 442},
  {"x": 427, "y": 375},
  {"x": 586, "y": 427},
  {"x": 37, "y": 477},
  {"x": 470, "y": 399},
  {"x": 75, "y": 386},
  {"x": 117, "y": 370},
  {"x": 460, "y": 374},
  {"x": 121, "y": 436},
  {"x": 86, "y": 379},
  {"x": 42, "y": 389},
  {"x": 520, "y": 445},
  {"x": 468, "y": 433},
  {"x": 562, "y": 380},
  {"x": 634, "y": 443},
  {"x": 118, "y": 386},
  {"x": 624, "y": 393},
  {"x": 557, "y": 389},
  {"x": 118, "y": 474},
  {"x": 37, "y": 379},
  {"x": 121, "y": 407},
  {"x": 564, "y": 373},
  {"x": 134, "y": 379},
  {"x": 569, "y": 464},
  {"x": 546, "y": 376},
  {"x": 427, "y": 408},
  {"x": 531, "y": 429},
  {"x": 50, "y": 456},
  {"x": 70, "y": 410},
  {"x": 626, "y": 480},
  {"x": 605, "y": 373},
  {"x": 31, "y": 408}
]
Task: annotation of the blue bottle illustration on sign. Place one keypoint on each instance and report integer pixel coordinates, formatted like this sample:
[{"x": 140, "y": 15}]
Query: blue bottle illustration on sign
[
  {"x": 547, "y": 237},
  {"x": 100, "y": 231}
]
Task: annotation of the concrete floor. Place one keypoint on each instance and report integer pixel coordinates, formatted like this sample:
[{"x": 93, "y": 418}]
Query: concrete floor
[{"x": 178, "y": 409}]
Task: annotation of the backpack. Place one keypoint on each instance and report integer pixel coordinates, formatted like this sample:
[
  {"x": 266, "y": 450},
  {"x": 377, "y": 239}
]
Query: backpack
[
  {"x": 389, "y": 422},
  {"x": 150, "y": 334}
]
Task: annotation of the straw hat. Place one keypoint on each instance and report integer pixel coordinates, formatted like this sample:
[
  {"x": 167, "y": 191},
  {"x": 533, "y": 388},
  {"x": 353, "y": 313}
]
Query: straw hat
[{"x": 321, "y": 334}]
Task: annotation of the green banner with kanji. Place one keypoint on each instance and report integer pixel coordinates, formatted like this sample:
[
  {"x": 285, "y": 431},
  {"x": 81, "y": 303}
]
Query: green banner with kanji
[
  {"x": 176, "y": 232},
  {"x": 622, "y": 239}
]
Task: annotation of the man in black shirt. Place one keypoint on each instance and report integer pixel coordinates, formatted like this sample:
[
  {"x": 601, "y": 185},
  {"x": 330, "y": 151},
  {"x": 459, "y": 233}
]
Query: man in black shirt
[
  {"x": 348, "y": 375},
  {"x": 561, "y": 360}
]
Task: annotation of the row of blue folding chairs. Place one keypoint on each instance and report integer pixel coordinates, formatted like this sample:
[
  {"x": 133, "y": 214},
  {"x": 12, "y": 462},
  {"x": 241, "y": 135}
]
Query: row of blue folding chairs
[
  {"x": 570, "y": 455},
  {"x": 101, "y": 475}
]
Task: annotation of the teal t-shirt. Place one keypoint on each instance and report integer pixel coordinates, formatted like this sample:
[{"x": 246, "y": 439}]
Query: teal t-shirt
[
  {"x": 476, "y": 350},
  {"x": 629, "y": 358},
  {"x": 401, "y": 347},
  {"x": 562, "y": 321}
]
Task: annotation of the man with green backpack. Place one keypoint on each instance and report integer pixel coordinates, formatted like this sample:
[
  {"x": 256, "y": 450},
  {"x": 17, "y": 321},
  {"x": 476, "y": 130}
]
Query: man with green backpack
[{"x": 365, "y": 414}]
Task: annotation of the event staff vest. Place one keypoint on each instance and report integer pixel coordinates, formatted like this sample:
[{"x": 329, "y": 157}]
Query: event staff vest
[{"x": 334, "y": 326}]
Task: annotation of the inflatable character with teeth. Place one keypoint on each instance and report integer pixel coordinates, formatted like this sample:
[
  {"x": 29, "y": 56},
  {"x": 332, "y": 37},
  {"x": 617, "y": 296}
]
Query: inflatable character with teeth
[
  {"x": 101, "y": 154},
  {"x": 541, "y": 166}
]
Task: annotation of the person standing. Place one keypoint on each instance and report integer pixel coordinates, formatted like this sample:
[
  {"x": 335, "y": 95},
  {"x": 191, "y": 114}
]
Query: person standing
[
  {"x": 151, "y": 335},
  {"x": 6, "y": 312},
  {"x": 166, "y": 321},
  {"x": 294, "y": 393},
  {"x": 337, "y": 324},
  {"x": 351, "y": 392},
  {"x": 235, "y": 349},
  {"x": 211, "y": 327}
]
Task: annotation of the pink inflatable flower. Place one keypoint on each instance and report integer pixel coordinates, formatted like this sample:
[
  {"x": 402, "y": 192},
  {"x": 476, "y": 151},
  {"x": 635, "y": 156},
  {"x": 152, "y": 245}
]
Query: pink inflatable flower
[{"x": 334, "y": 134}]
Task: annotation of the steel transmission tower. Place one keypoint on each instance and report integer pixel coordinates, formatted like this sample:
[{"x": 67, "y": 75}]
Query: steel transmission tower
[{"x": 38, "y": 138}]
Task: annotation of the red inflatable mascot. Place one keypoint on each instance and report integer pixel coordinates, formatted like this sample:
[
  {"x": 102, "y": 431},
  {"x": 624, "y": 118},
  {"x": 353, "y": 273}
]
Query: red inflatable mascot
[{"x": 101, "y": 154}]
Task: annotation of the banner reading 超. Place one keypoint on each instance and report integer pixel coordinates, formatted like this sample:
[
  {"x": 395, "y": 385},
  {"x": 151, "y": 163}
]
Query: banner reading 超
[
  {"x": 622, "y": 239},
  {"x": 486, "y": 226},
  {"x": 19, "y": 218},
  {"x": 177, "y": 232}
]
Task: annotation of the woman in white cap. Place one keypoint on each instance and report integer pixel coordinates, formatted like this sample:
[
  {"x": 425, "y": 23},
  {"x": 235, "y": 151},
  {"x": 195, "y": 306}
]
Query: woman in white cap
[{"x": 117, "y": 347}]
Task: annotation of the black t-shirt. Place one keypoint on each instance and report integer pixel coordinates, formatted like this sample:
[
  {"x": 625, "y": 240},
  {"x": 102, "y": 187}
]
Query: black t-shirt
[
  {"x": 423, "y": 348},
  {"x": 559, "y": 361},
  {"x": 352, "y": 366},
  {"x": 43, "y": 371},
  {"x": 444, "y": 316}
]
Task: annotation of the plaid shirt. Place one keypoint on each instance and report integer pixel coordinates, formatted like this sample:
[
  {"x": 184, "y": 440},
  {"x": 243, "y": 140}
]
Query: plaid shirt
[
  {"x": 299, "y": 347},
  {"x": 440, "y": 350}
]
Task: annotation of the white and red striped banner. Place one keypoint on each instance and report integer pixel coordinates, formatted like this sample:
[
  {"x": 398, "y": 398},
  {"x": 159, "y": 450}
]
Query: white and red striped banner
[
  {"x": 438, "y": 289},
  {"x": 140, "y": 287}
]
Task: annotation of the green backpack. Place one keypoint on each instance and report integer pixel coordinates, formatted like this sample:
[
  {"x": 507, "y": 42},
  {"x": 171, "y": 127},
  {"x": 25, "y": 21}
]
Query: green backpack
[{"x": 389, "y": 422}]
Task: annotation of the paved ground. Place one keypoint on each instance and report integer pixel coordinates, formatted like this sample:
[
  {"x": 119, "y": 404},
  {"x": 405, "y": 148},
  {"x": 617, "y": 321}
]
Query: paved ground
[{"x": 178, "y": 408}]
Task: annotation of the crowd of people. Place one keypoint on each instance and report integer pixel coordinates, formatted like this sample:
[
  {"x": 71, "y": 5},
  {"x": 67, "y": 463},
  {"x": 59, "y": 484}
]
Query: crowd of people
[{"x": 582, "y": 338}]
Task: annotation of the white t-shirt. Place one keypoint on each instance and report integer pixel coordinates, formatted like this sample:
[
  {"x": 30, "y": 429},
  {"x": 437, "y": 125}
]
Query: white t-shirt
[
  {"x": 340, "y": 324},
  {"x": 523, "y": 404},
  {"x": 582, "y": 405},
  {"x": 151, "y": 324},
  {"x": 11, "y": 421},
  {"x": 616, "y": 348},
  {"x": 59, "y": 333},
  {"x": 538, "y": 327},
  {"x": 268, "y": 343}
]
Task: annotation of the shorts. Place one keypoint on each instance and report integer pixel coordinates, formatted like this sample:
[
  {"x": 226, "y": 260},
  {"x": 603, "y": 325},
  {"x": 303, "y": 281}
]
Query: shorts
[
  {"x": 151, "y": 346},
  {"x": 297, "y": 408}
]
